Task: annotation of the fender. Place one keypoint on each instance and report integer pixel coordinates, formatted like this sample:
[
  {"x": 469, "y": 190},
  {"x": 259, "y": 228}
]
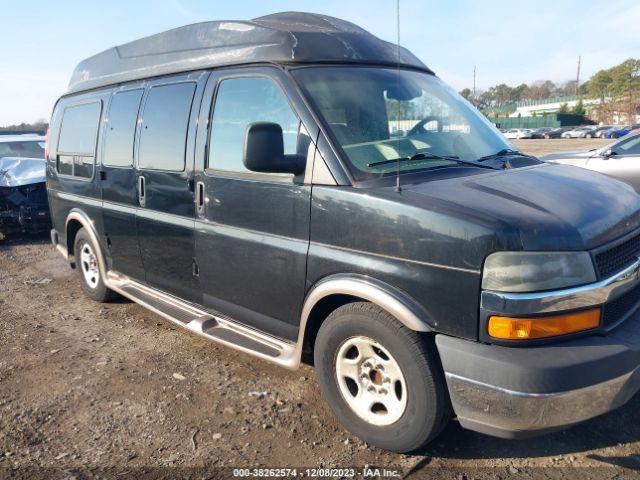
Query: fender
[
  {"x": 391, "y": 299},
  {"x": 87, "y": 223}
]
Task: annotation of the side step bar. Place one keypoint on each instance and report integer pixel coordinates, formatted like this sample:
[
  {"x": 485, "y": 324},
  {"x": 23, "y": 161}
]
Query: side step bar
[{"x": 215, "y": 327}]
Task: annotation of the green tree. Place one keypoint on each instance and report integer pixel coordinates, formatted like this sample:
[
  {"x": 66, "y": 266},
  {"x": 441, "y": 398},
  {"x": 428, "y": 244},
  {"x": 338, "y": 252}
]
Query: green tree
[
  {"x": 37, "y": 126},
  {"x": 500, "y": 94},
  {"x": 519, "y": 93},
  {"x": 542, "y": 89},
  {"x": 578, "y": 108},
  {"x": 466, "y": 93},
  {"x": 625, "y": 85},
  {"x": 600, "y": 86},
  {"x": 564, "y": 108}
]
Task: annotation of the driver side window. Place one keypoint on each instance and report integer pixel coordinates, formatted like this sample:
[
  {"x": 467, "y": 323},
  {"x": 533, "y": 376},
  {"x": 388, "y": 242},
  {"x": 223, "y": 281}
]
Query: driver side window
[
  {"x": 239, "y": 102},
  {"x": 630, "y": 147}
]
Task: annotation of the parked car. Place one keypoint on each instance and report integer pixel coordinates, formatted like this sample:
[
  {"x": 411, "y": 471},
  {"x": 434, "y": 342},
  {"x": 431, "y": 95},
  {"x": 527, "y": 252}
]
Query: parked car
[
  {"x": 557, "y": 132},
  {"x": 620, "y": 159},
  {"x": 620, "y": 131},
  {"x": 600, "y": 131},
  {"x": 248, "y": 189},
  {"x": 589, "y": 132},
  {"x": 579, "y": 132},
  {"x": 540, "y": 132},
  {"x": 518, "y": 133},
  {"x": 23, "y": 194},
  {"x": 22, "y": 146}
]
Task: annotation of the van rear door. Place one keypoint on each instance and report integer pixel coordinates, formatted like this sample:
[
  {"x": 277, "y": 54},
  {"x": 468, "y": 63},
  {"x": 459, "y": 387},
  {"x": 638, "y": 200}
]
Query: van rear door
[{"x": 166, "y": 210}]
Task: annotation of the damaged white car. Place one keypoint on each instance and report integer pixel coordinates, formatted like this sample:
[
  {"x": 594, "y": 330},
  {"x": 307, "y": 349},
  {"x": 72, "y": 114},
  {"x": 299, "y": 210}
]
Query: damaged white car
[{"x": 23, "y": 194}]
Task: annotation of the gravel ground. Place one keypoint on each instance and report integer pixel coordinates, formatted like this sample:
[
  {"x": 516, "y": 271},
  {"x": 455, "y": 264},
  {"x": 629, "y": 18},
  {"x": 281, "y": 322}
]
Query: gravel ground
[
  {"x": 113, "y": 391},
  {"x": 543, "y": 147}
]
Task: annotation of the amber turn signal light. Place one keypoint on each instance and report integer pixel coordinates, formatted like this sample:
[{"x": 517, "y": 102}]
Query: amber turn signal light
[{"x": 509, "y": 328}]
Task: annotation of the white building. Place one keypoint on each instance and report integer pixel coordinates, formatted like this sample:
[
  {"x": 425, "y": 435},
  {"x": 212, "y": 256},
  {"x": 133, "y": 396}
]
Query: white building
[{"x": 527, "y": 108}]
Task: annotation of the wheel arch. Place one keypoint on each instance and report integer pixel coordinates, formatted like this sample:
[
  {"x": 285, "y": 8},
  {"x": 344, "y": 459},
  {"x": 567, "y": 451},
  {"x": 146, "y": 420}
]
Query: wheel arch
[
  {"x": 339, "y": 289},
  {"x": 77, "y": 219}
]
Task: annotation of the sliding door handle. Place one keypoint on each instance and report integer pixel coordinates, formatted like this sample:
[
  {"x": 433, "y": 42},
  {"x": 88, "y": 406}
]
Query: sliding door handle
[
  {"x": 200, "y": 197},
  {"x": 141, "y": 191}
]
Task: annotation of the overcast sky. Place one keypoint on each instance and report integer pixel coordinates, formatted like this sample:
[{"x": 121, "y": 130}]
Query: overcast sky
[{"x": 509, "y": 41}]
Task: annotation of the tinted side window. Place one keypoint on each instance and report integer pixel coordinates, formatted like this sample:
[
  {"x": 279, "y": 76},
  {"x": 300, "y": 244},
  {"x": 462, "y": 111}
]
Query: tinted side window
[
  {"x": 121, "y": 128},
  {"x": 77, "y": 143},
  {"x": 630, "y": 147},
  {"x": 164, "y": 127},
  {"x": 240, "y": 102}
]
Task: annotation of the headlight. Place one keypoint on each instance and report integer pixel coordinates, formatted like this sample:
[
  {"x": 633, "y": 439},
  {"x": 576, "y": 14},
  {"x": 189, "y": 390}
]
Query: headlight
[{"x": 536, "y": 271}]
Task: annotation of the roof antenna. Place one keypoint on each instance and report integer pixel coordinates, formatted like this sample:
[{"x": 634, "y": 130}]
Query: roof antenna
[{"x": 398, "y": 189}]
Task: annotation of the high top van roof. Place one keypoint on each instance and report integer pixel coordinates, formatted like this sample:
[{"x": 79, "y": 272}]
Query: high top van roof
[{"x": 289, "y": 37}]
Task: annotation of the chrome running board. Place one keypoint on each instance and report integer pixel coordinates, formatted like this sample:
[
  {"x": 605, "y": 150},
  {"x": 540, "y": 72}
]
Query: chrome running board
[{"x": 215, "y": 327}]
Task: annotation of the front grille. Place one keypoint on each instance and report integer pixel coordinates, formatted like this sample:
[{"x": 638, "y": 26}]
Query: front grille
[
  {"x": 28, "y": 195},
  {"x": 618, "y": 258},
  {"x": 619, "y": 309}
]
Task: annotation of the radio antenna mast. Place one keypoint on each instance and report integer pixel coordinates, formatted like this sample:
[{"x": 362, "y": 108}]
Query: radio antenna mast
[
  {"x": 474, "y": 85},
  {"x": 578, "y": 76},
  {"x": 398, "y": 189}
]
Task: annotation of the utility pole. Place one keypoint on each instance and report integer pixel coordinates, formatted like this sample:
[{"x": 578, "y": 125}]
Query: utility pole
[
  {"x": 578, "y": 75},
  {"x": 474, "y": 83}
]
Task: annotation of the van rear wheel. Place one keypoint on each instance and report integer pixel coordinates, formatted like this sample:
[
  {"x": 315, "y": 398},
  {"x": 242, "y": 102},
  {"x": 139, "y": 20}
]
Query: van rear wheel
[
  {"x": 86, "y": 259},
  {"x": 383, "y": 381}
]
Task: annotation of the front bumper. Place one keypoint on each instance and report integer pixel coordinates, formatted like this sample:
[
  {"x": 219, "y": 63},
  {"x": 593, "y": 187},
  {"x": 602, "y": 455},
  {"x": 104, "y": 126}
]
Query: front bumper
[
  {"x": 510, "y": 389},
  {"x": 520, "y": 392},
  {"x": 24, "y": 208}
]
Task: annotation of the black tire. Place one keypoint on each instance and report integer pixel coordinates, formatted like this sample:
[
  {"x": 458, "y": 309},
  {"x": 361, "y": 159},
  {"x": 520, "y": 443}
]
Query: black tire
[
  {"x": 98, "y": 292},
  {"x": 427, "y": 409},
  {"x": 614, "y": 135},
  {"x": 588, "y": 135},
  {"x": 547, "y": 137}
]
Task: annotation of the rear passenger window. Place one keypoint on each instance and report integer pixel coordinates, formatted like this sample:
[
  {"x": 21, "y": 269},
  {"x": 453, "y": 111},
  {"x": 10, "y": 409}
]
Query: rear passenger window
[
  {"x": 77, "y": 143},
  {"x": 240, "y": 102},
  {"x": 121, "y": 129},
  {"x": 164, "y": 127}
]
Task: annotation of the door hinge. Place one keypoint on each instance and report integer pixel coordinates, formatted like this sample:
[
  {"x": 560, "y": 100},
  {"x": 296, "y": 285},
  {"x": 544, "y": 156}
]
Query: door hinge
[{"x": 196, "y": 270}]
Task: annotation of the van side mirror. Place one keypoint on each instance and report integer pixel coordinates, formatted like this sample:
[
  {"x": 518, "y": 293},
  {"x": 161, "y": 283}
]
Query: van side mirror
[{"x": 264, "y": 150}]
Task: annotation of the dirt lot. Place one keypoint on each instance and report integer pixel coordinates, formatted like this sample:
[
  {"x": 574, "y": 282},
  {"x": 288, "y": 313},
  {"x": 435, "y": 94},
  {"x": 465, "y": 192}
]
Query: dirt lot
[
  {"x": 114, "y": 391},
  {"x": 543, "y": 147}
]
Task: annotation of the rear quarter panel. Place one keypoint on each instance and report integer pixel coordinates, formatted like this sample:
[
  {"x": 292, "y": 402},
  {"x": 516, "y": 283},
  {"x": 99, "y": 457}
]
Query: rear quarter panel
[{"x": 67, "y": 193}]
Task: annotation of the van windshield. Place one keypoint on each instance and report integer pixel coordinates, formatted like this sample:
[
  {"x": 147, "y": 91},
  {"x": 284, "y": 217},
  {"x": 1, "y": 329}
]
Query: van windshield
[{"x": 377, "y": 114}]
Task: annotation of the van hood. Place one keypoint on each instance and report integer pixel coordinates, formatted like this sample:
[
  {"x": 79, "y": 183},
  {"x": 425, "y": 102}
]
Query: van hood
[
  {"x": 543, "y": 207},
  {"x": 15, "y": 172}
]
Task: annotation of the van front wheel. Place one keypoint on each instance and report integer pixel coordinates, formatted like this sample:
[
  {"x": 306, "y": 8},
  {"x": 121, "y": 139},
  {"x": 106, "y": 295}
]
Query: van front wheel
[
  {"x": 382, "y": 381},
  {"x": 86, "y": 259}
]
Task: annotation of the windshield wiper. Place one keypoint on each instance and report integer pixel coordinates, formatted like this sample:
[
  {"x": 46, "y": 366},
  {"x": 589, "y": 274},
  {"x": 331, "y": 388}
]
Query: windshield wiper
[
  {"x": 426, "y": 156},
  {"x": 505, "y": 152},
  {"x": 502, "y": 153}
]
